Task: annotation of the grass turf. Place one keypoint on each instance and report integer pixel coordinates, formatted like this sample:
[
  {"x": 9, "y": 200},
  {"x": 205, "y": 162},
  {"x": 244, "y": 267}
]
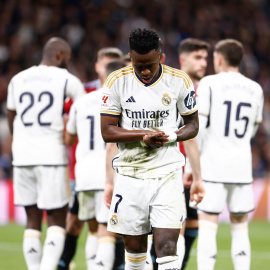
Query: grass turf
[{"x": 11, "y": 256}]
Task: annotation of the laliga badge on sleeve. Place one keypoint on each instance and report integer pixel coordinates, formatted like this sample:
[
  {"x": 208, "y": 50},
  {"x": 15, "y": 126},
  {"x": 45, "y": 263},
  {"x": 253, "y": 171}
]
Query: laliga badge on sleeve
[
  {"x": 105, "y": 101},
  {"x": 113, "y": 220}
]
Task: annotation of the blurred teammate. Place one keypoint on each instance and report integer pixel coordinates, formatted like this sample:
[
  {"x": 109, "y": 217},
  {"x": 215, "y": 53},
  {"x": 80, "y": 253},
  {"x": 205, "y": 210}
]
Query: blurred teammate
[
  {"x": 35, "y": 107},
  {"x": 193, "y": 55},
  {"x": 230, "y": 107},
  {"x": 84, "y": 122},
  {"x": 74, "y": 225},
  {"x": 139, "y": 110}
]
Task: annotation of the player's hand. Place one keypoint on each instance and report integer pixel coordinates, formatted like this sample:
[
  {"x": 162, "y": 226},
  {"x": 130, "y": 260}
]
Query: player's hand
[
  {"x": 187, "y": 179},
  {"x": 108, "y": 193},
  {"x": 155, "y": 139},
  {"x": 197, "y": 191}
]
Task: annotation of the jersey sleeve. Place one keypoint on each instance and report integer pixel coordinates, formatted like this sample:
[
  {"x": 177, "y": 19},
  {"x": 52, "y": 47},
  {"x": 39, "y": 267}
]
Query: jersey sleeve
[
  {"x": 203, "y": 97},
  {"x": 110, "y": 103},
  {"x": 186, "y": 103},
  {"x": 74, "y": 87},
  {"x": 71, "y": 124},
  {"x": 259, "y": 116},
  {"x": 10, "y": 97}
]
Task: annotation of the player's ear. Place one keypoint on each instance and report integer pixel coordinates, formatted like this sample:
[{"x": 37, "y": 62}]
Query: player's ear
[{"x": 163, "y": 57}]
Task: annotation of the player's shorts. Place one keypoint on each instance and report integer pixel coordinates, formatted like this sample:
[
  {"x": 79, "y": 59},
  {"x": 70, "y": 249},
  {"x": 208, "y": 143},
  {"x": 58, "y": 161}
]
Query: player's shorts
[
  {"x": 239, "y": 198},
  {"x": 92, "y": 205},
  {"x": 138, "y": 204},
  {"x": 45, "y": 186},
  {"x": 191, "y": 212}
]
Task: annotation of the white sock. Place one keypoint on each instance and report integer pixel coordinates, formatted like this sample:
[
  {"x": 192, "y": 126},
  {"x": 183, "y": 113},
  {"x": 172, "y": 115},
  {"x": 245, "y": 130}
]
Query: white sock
[
  {"x": 53, "y": 247},
  {"x": 168, "y": 262},
  {"x": 135, "y": 261},
  {"x": 240, "y": 251},
  {"x": 105, "y": 253},
  {"x": 181, "y": 249},
  {"x": 149, "y": 262},
  {"x": 91, "y": 246},
  {"x": 32, "y": 248},
  {"x": 207, "y": 246}
]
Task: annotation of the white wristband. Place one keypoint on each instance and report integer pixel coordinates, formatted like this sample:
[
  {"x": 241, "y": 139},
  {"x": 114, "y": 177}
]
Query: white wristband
[{"x": 172, "y": 137}]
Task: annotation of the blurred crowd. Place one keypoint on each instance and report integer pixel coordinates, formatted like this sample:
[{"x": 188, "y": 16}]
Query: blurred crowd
[{"x": 88, "y": 25}]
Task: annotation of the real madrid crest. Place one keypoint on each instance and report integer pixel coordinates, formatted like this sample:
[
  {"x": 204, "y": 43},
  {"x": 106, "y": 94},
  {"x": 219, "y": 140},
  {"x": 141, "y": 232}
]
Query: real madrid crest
[
  {"x": 113, "y": 220},
  {"x": 166, "y": 100}
]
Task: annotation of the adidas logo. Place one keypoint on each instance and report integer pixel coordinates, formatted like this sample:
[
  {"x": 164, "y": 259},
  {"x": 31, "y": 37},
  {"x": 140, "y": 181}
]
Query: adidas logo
[
  {"x": 242, "y": 253},
  {"x": 92, "y": 257},
  {"x": 213, "y": 257},
  {"x": 131, "y": 99},
  {"x": 32, "y": 250},
  {"x": 100, "y": 263},
  {"x": 51, "y": 243}
]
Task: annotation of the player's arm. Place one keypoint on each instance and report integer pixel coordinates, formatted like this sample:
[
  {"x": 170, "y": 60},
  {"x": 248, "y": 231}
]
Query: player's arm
[
  {"x": 111, "y": 132},
  {"x": 70, "y": 139},
  {"x": 194, "y": 178},
  {"x": 11, "y": 116},
  {"x": 111, "y": 152},
  {"x": 70, "y": 135}
]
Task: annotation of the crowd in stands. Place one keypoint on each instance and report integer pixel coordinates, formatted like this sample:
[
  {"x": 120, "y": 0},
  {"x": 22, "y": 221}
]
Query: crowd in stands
[{"x": 88, "y": 25}]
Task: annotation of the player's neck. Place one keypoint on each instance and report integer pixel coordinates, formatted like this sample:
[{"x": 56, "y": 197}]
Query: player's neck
[{"x": 229, "y": 69}]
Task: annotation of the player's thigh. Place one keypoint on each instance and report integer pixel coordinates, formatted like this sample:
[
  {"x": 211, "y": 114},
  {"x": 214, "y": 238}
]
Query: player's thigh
[
  {"x": 53, "y": 187},
  {"x": 101, "y": 210},
  {"x": 214, "y": 199},
  {"x": 168, "y": 208},
  {"x": 129, "y": 211},
  {"x": 86, "y": 201},
  {"x": 240, "y": 198},
  {"x": 25, "y": 186}
]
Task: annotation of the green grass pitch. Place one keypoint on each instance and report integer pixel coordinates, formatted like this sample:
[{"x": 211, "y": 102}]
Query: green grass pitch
[{"x": 11, "y": 256}]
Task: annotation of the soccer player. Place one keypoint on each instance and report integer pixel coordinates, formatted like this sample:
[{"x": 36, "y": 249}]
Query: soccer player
[
  {"x": 193, "y": 54},
  {"x": 74, "y": 225},
  {"x": 84, "y": 122},
  {"x": 35, "y": 107},
  {"x": 230, "y": 108},
  {"x": 139, "y": 110}
]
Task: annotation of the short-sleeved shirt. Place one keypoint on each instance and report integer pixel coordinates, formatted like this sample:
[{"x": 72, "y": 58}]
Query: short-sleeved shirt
[
  {"x": 233, "y": 105},
  {"x": 154, "y": 106},
  {"x": 37, "y": 95},
  {"x": 84, "y": 120}
]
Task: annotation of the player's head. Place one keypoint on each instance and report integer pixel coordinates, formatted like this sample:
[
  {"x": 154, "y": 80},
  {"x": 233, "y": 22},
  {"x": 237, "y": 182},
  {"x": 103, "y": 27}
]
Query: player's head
[
  {"x": 193, "y": 55},
  {"x": 56, "y": 52},
  {"x": 104, "y": 56},
  {"x": 145, "y": 53},
  {"x": 113, "y": 66},
  {"x": 228, "y": 53}
]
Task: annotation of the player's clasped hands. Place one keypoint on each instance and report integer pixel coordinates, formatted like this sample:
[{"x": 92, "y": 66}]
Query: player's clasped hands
[{"x": 155, "y": 139}]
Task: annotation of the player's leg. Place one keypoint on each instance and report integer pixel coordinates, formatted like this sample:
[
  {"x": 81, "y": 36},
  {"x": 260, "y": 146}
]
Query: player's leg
[
  {"x": 191, "y": 228},
  {"x": 181, "y": 248},
  {"x": 73, "y": 229},
  {"x": 106, "y": 240},
  {"x": 53, "y": 195},
  {"x": 32, "y": 248},
  {"x": 135, "y": 251},
  {"x": 25, "y": 193},
  {"x": 240, "y": 203},
  {"x": 166, "y": 215},
  {"x": 149, "y": 262},
  {"x": 91, "y": 244},
  {"x": 208, "y": 210}
]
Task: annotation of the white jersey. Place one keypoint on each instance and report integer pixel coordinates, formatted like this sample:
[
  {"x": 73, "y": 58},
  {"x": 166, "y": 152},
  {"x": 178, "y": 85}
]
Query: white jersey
[
  {"x": 37, "y": 95},
  {"x": 84, "y": 120},
  {"x": 233, "y": 105},
  {"x": 148, "y": 107}
]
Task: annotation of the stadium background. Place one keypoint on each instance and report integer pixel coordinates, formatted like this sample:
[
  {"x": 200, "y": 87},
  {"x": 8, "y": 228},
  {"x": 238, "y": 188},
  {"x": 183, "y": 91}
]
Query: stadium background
[{"x": 25, "y": 26}]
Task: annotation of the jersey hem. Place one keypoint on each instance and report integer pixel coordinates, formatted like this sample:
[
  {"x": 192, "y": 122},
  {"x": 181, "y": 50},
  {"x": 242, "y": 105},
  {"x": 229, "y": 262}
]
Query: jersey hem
[
  {"x": 44, "y": 165},
  {"x": 230, "y": 183}
]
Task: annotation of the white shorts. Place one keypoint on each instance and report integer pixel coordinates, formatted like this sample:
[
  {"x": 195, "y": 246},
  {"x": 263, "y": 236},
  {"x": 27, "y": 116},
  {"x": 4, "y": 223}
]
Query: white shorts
[
  {"x": 138, "y": 204},
  {"x": 92, "y": 205},
  {"x": 239, "y": 198},
  {"x": 45, "y": 186}
]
